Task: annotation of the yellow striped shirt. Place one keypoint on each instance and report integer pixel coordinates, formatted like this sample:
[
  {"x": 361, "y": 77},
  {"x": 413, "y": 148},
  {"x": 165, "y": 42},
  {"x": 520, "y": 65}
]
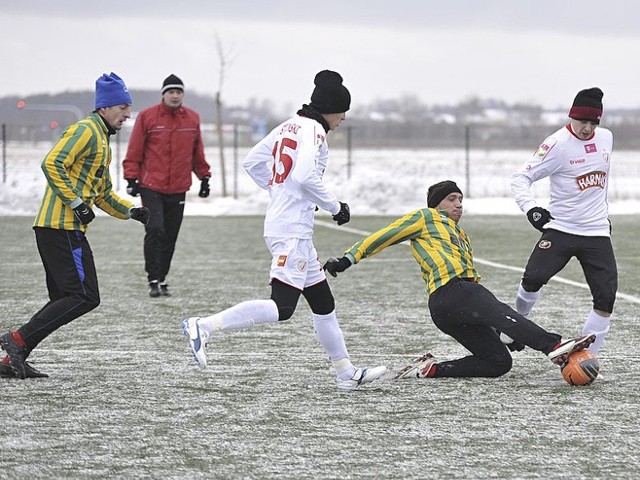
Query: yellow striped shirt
[
  {"x": 77, "y": 170},
  {"x": 440, "y": 246}
]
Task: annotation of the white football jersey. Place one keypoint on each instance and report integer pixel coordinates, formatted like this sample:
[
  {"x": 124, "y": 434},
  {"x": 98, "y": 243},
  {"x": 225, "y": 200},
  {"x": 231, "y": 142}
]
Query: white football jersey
[
  {"x": 289, "y": 162},
  {"x": 578, "y": 172}
]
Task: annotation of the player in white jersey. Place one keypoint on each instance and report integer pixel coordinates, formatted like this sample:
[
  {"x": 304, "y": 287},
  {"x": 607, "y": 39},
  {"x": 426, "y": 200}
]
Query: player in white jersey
[
  {"x": 289, "y": 162},
  {"x": 576, "y": 160}
]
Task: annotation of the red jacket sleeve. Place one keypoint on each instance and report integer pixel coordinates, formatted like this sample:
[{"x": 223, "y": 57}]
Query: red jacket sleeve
[{"x": 132, "y": 163}]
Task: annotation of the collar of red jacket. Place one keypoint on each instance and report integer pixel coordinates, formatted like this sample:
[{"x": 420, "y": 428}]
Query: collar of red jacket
[{"x": 172, "y": 111}]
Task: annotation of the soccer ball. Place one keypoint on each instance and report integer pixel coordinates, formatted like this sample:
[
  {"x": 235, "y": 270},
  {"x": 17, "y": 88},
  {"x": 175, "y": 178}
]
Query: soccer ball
[{"x": 581, "y": 368}]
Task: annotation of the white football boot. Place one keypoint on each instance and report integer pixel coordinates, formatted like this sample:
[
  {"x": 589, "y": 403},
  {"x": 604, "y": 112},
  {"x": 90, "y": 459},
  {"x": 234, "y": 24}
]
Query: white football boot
[
  {"x": 361, "y": 377},
  {"x": 561, "y": 352},
  {"x": 197, "y": 340}
]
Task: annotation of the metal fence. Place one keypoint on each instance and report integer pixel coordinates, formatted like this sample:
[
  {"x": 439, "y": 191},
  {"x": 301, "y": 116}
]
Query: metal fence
[{"x": 357, "y": 163}]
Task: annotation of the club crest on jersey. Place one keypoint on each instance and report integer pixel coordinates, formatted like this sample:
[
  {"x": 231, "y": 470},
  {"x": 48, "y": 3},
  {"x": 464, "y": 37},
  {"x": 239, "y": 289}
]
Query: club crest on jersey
[
  {"x": 542, "y": 151},
  {"x": 544, "y": 244},
  {"x": 282, "y": 260},
  {"x": 591, "y": 180},
  {"x": 590, "y": 148},
  {"x": 605, "y": 157}
]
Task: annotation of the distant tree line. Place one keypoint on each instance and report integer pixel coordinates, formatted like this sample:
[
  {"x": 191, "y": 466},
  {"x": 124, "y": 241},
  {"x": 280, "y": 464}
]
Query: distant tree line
[{"x": 404, "y": 122}]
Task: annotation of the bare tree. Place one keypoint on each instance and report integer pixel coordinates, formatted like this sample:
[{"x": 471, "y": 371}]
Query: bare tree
[{"x": 224, "y": 60}]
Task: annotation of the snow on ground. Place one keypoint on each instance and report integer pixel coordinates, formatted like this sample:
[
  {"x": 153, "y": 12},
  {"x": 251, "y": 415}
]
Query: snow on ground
[{"x": 372, "y": 182}]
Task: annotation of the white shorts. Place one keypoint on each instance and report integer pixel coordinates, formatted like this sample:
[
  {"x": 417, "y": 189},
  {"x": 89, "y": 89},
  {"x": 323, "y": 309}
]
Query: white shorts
[{"x": 295, "y": 262}]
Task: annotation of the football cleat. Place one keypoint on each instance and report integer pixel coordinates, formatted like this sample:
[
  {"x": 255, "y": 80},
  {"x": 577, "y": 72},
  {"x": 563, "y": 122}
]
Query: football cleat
[
  {"x": 17, "y": 354},
  {"x": 154, "y": 289},
  {"x": 419, "y": 368},
  {"x": 164, "y": 289},
  {"x": 33, "y": 372},
  {"x": 30, "y": 371},
  {"x": 560, "y": 353},
  {"x": 197, "y": 340},
  {"x": 6, "y": 371},
  {"x": 361, "y": 377}
]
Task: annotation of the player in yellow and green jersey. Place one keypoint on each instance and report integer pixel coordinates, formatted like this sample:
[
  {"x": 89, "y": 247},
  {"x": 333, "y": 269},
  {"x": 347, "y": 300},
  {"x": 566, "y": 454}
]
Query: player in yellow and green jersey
[
  {"x": 77, "y": 174},
  {"x": 459, "y": 305}
]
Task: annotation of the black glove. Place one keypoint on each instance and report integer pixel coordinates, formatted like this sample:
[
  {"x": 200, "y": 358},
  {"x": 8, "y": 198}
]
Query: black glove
[
  {"x": 133, "y": 188},
  {"x": 84, "y": 214},
  {"x": 539, "y": 217},
  {"x": 204, "y": 188},
  {"x": 140, "y": 214},
  {"x": 511, "y": 344},
  {"x": 343, "y": 216},
  {"x": 335, "y": 265}
]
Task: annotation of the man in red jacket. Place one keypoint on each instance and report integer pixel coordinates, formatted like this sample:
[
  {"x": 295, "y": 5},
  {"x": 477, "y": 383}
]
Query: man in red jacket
[{"x": 164, "y": 148}]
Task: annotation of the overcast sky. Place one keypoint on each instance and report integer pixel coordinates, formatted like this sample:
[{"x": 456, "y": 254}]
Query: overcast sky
[{"x": 537, "y": 51}]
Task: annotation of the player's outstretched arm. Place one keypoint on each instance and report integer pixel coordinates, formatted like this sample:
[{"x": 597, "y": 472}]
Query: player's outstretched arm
[{"x": 336, "y": 265}]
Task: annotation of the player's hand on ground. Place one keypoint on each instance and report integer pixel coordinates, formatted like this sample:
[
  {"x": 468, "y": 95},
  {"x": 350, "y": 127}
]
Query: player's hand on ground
[
  {"x": 140, "y": 214},
  {"x": 336, "y": 265},
  {"x": 539, "y": 217},
  {"x": 511, "y": 344},
  {"x": 344, "y": 215}
]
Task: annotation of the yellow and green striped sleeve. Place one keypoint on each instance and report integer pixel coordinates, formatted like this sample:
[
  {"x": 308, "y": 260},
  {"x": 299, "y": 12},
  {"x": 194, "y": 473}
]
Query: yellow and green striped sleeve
[{"x": 440, "y": 246}]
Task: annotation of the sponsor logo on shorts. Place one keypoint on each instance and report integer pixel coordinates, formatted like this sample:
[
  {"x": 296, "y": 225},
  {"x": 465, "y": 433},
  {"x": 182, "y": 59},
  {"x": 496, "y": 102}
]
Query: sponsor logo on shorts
[
  {"x": 544, "y": 244},
  {"x": 282, "y": 259},
  {"x": 591, "y": 180}
]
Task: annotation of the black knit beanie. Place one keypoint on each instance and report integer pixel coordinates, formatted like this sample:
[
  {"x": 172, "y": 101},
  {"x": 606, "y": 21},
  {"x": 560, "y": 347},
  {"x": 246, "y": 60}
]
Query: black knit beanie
[
  {"x": 172, "y": 82},
  {"x": 439, "y": 192},
  {"x": 587, "y": 105},
  {"x": 330, "y": 95}
]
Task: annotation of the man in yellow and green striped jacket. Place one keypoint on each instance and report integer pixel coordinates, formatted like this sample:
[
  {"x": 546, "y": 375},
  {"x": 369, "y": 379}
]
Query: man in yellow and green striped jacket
[
  {"x": 77, "y": 174},
  {"x": 459, "y": 305}
]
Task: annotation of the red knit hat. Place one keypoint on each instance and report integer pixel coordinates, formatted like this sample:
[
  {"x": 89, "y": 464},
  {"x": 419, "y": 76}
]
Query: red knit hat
[{"x": 587, "y": 105}]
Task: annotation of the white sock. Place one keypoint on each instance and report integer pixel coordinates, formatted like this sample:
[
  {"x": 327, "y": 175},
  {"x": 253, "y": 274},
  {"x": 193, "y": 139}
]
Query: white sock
[
  {"x": 330, "y": 337},
  {"x": 243, "y": 315},
  {"x": 598, "y": 325},
  {"x": 525, "y": 301}
]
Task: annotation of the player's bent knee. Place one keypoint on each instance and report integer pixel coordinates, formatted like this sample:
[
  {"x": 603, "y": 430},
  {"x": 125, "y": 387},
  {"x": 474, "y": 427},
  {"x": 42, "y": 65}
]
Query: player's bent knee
[{"x": 502, "y": 366}]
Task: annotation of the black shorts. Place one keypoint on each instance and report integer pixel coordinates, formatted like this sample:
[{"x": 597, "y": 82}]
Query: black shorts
[{"x": 595, "y": 254}]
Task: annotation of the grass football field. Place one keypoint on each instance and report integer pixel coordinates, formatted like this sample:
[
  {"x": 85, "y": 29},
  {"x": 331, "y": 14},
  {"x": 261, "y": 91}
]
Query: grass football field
[{"x": 125, "y": 400}]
